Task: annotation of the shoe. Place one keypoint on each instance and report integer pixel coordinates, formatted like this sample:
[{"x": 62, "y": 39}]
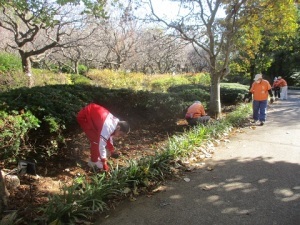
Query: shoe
[
  {"x": 95, "y": 165},
  {"x": 262, "y": 123},
  {"x": 256, "y": 122}
]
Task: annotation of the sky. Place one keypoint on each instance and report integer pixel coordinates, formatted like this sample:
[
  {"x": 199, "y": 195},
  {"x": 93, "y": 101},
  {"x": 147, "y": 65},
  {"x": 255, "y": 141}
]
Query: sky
[{"x": 169, "y": 9}]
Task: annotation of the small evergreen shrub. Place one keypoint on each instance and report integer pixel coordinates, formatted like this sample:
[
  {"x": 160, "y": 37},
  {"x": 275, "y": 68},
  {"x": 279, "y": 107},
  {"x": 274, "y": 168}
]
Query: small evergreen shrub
[{"x": 9, "y": 62}]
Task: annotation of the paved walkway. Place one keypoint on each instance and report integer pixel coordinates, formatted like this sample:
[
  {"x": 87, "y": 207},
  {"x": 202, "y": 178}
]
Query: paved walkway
[{"x": 255, "y": 180}]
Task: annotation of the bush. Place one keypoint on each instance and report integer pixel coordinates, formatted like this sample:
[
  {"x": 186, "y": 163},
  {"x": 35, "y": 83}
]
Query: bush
[
  {"x": 14, "y": 128},
  {"x": 9, "y": 63},
  {"x": 82, "y": 69},
  {"x": 163, "y": 83},
  {"x": 117, "y": 79},
  {"x": 201, "y": 78},
  {"x": 79, "y": 79},
  {"x": 46, "y": 77},
  {"x": 56, "y": 107},
  {"x": 11, "y": 72},
  {"x": 232, "y": 93},
  {"x": 12, "y": 80}
]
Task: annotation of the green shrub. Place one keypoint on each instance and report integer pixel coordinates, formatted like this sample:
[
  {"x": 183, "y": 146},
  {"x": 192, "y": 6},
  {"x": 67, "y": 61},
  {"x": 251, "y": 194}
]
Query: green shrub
[
  {"x": 14, "y": 128},
  {"x": 232, "y": 93},
  {"x": 82, "y": 69},
  {"x": 163, "y": 83},
  {"x": 46, "y": 77},
  {"x": 56, "y": 107},
  {"x": 9, "y": 62},
  {"x": 80, "y": 79},
  {"x": 11, "y": 72},
  {"x": 201, "y": 78},
  {"x": 117, "y": 79},
  {"x": 12, "y": 80}
]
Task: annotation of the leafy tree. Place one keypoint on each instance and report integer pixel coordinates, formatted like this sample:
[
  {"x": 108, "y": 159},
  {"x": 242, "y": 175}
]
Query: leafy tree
[
  {"x": 203, "y": 24},
  {"x": 286, "y": 61},
  {"x": 38, "y": 26},
  {"x": 267, "y": 29}
]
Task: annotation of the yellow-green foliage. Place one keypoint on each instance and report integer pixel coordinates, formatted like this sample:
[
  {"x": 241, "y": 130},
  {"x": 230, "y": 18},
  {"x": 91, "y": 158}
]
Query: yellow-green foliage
[
  {"x": 47, "y": 77},
  {"x": 200, "y": 78},
  {"x": 165, "y": 81},
  {"x": 117, "y": 79},
  {"x": 140, "y": 81}
]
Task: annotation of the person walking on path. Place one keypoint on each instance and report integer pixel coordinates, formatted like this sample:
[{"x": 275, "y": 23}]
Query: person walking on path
[
  {"x": 283, "y": 86},
  {"x": 276, "y": 88},
  {"x": 100, "y": 126},
  {"x": 196, "y": 114},
  {"x": 261, "y": 89}
]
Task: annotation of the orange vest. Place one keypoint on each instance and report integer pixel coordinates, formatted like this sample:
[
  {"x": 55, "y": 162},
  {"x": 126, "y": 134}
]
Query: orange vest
[
  {"x": 281, "y": 83},
  {"x": 195, "y": 110},
  {"x": 260, "y": 90}
]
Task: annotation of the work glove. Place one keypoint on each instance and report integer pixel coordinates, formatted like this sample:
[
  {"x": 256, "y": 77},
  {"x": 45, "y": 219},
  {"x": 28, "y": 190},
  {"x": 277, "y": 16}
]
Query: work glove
[
  {"x": 114, "y": 155},
  {"x": 105, "y": 165}
]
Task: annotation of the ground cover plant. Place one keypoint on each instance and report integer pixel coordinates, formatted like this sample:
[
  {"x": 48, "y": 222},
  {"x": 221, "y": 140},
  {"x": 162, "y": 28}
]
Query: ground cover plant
[{"x": 43, "y": 129}]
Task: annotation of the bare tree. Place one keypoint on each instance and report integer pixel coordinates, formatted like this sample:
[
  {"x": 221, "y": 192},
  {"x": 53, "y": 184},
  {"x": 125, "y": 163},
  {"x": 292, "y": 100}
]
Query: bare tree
[
  {"x": 40, "y": 26},
  {"x": 200, "y": 25}
]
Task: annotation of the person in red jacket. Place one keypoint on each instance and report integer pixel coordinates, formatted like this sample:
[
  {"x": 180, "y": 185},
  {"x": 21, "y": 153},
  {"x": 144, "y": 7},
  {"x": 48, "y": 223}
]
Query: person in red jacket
[
  {"x": 196, "y": 114},
  {"x": 100, "y": 126}
]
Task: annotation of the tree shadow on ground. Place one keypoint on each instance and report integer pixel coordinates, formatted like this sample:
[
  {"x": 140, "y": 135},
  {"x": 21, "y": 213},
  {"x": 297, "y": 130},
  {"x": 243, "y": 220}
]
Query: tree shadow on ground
[{"x": 236, "y": 191}]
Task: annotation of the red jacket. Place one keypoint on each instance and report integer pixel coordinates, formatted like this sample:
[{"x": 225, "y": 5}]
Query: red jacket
[{"x": 99, "y": 125}]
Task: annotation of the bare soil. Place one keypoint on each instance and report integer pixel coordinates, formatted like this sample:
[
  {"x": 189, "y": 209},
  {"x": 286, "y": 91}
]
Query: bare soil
[{"x": 34, "y": 191}]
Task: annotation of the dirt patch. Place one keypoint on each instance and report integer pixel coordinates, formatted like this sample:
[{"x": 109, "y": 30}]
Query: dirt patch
[{"x": 34, "y": 191}]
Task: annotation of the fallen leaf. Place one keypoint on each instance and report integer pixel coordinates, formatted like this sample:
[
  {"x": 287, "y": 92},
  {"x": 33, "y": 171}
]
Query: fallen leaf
[
  {"x": 186, "y": 179},
  {"x": 209, "y": 168}
]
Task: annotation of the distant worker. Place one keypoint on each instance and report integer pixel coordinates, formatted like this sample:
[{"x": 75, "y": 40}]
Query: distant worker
[
  {"x": 283, "y": 88},
  {"x": 261, "y": 89},
  {"x": 276, "y": 88},
  {"x": 100, "y": 126},
  {"x": 196, "y": 114}
]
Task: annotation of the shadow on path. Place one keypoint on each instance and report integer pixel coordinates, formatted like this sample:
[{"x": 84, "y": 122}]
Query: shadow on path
[{"x": 238, "y": 191}]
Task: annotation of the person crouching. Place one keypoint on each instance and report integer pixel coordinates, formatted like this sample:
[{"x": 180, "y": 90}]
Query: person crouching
[{"x": 196, "y": 114}]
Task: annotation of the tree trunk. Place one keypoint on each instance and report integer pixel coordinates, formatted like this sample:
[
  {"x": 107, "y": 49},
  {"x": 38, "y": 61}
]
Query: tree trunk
[
  {"x": 26, "y": 64},
  {"x": 3, "y": 194},
  {"x": 76, "y": 63},
  {"x": 215, "y": 99},
  {"x": 252, "y": 71}
]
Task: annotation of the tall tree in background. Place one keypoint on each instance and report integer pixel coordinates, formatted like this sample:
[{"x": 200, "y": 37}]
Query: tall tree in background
[
  {"x": 268, "y": 28},
  {"x": 46, "y": 21},
  {"x": 201, "y": 24},
  {"x": 216, "y": 27}
]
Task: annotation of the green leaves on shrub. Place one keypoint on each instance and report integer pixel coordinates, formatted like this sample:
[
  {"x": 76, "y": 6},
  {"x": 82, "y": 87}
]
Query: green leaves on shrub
[
  {"x": 14, "y": 128},
  {"x": 232, "y": 93},
  {"x": 9, "y": 62}
]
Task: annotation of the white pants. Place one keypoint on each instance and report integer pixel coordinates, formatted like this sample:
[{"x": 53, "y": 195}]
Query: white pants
[{"x": 283, "y": 93}]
